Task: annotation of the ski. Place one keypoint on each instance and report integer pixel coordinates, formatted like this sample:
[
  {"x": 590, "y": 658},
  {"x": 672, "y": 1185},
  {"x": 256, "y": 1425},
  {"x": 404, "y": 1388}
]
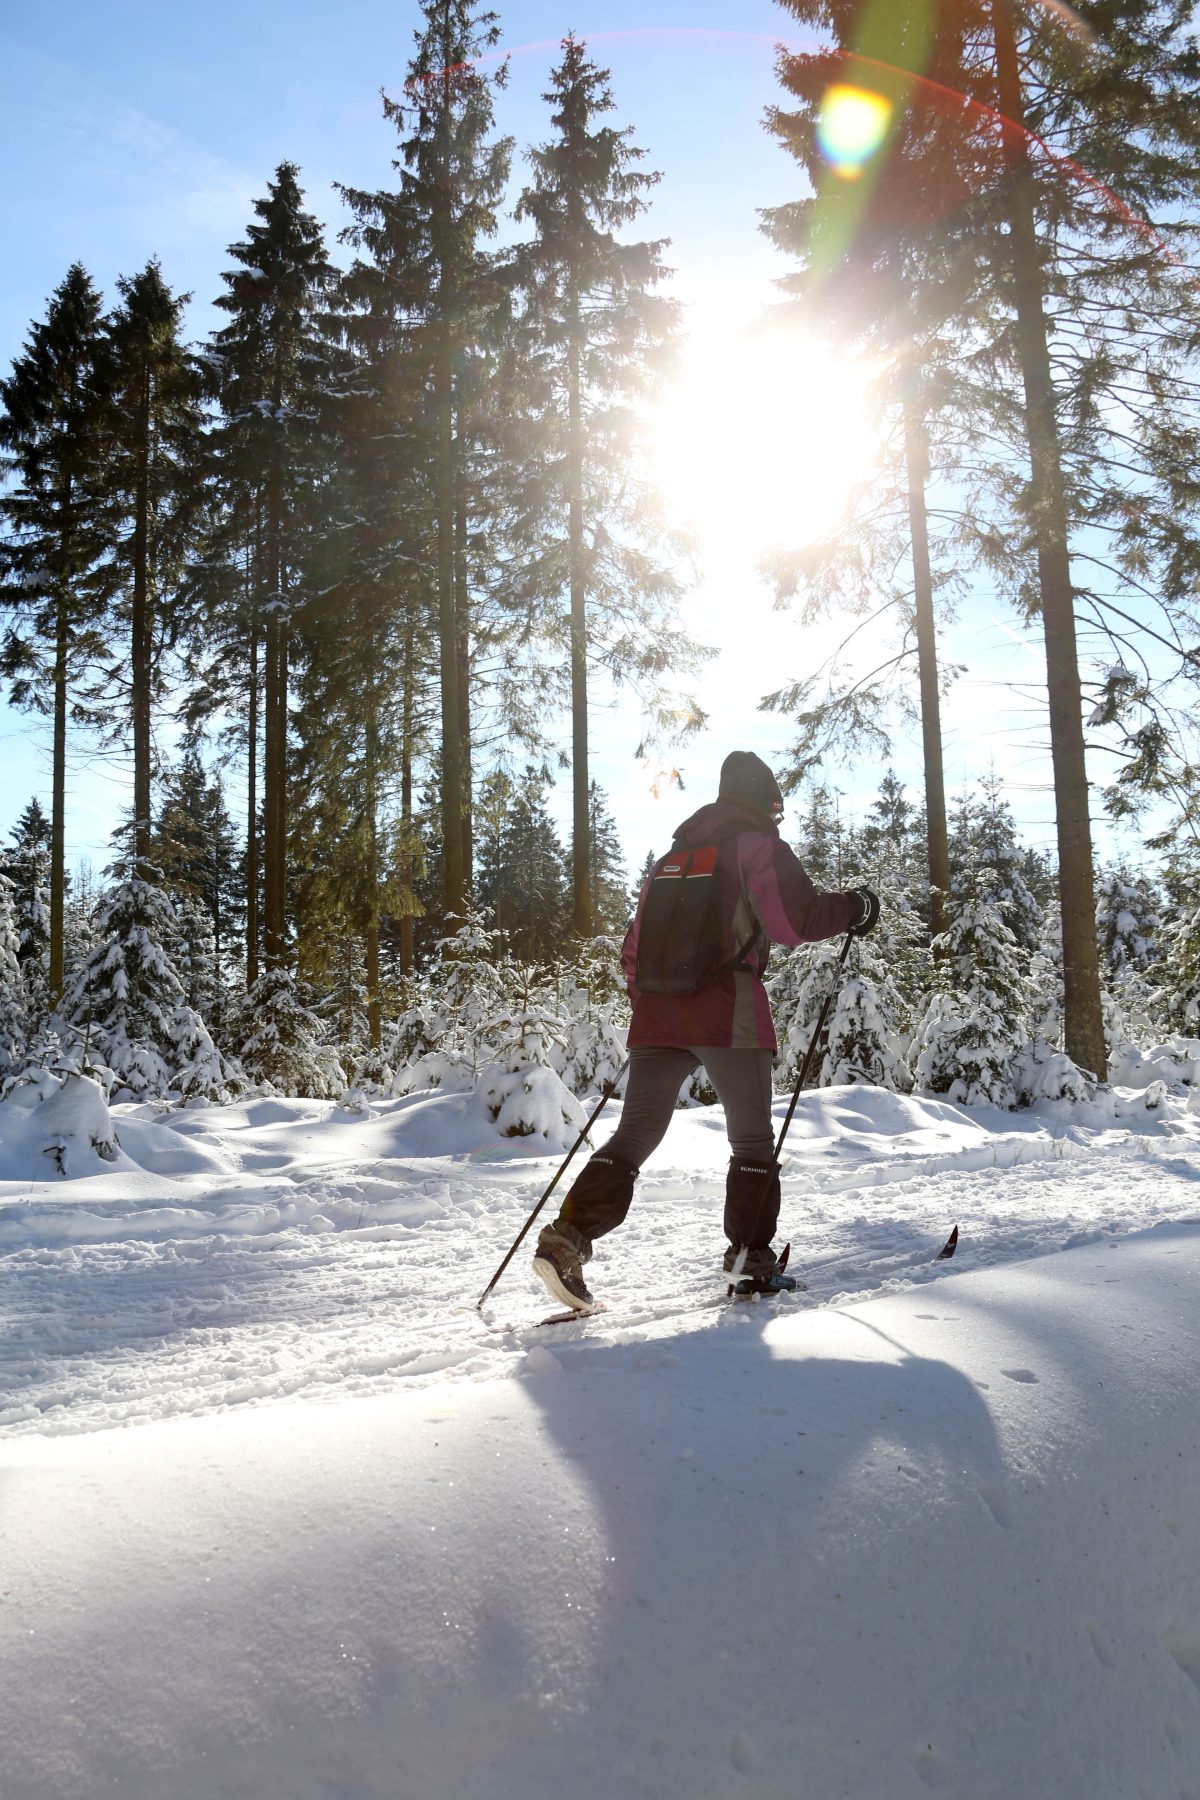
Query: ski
[
  {"x": 788, "y": 1284},
  {"x": 570, "y": 1313}
]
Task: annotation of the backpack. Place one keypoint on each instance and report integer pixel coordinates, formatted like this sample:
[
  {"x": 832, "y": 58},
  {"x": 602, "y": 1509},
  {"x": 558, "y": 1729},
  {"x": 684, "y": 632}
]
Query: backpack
[{"x": 679, "y": 938}]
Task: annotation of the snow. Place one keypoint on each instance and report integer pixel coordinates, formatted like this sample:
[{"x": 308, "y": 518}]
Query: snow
[{"x": 283, "y": 1516}]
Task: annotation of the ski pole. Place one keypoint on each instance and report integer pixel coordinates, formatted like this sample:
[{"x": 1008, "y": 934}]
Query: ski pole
[
  {"x": 610, "y": 1088},
  {"x": 812, "y": 1048},
  {"x": 801, "y": 1079}
]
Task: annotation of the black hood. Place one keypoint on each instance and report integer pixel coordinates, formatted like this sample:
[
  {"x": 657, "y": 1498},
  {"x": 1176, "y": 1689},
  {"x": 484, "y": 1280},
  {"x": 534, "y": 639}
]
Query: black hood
[{"x": 721, "y": 818}]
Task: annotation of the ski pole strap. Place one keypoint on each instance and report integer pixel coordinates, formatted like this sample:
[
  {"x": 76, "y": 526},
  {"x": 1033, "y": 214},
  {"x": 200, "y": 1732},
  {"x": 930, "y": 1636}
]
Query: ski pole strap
[{"x": 610, "y": 1088}]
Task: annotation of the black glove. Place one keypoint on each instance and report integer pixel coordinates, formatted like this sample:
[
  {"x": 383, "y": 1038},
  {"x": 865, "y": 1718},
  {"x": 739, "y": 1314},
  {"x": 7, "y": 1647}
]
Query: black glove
[{"x": 868, "y": 912}]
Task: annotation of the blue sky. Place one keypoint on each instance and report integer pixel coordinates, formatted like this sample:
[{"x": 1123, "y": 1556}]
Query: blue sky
[{"x": 133, "y": 128}]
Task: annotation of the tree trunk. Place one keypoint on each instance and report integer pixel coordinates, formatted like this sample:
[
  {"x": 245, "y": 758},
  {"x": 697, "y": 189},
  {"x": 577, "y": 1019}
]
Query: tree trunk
[
  {"x": 141, "y": 650},
  {"x": 58, "y": 805},
  {"x": 252, "y": 817},
  {"x": 581, "y": 855},
  {"x": 408, "y": 704},
  {"x": 454, "y": 890},
  {"x": 462, "y": 607},
  {"x": 1081, "y": 966},
  {"x": 374, "y": 1009},
  {"x": 937, "y": 837},
  {"x": 275, "y": 709}
]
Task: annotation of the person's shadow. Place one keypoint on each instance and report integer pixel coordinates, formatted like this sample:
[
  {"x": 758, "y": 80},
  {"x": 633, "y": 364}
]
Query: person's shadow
[{"x": 768, "y": 1490}]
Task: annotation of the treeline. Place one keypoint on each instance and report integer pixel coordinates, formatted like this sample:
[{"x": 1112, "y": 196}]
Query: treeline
[
  {"x": 372, "y": 544},
  {"x": 531, "y": 1019},
  {"x": 155, "y": 999}
]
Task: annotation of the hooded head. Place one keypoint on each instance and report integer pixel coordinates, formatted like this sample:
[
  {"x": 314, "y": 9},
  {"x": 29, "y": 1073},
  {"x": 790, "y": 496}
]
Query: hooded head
[{"x": 747, "y": 779}]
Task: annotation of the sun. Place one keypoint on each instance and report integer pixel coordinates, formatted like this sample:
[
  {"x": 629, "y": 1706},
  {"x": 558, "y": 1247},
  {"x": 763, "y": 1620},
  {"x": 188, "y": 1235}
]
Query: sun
[{"x": 760, "y": 442}]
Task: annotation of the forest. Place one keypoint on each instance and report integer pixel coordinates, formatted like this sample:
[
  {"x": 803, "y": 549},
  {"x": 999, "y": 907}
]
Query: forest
[{"x": 366, "y": 557}]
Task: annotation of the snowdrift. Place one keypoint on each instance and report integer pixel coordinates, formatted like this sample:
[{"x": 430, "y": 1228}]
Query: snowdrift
[{"x": 942, "y": 1541}]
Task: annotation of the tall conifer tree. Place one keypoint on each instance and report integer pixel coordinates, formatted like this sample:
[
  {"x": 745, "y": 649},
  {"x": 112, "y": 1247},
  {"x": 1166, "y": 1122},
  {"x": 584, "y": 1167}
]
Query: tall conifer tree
[
  {"x": 152, "y": 496},
  {"x": 274, "y": 362},
  {"x": 430, "y": 238},
  {"x": 599, "y": 335},
  {"x": 53, "y": 578}
]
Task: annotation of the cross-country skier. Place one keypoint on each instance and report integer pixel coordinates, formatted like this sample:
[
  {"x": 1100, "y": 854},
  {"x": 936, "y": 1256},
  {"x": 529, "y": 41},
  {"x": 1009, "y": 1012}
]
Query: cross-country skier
[{"x": 763, "y": 896}]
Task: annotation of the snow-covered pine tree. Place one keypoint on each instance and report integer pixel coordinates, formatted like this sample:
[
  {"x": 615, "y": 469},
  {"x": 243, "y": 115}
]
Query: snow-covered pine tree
[
  {"x": 27, "y": 864},
  {"x": 1044, "y": 1070},
  {"x": 820, "y": 840},
  {"x": 12, "y": 998},
  {"x": 1176, "y": 997},
  {"x": 1129, "y": 927},
  {"x": 55, "y": 548},
  {"x": 151, "y": 467},
  {"x": 983, "y": 836},
  {"x": 797, "y": 983},
  {"x": 281, "y": 1043},
  {"x": 642, "y": 878},
  {"x": 609, "y": 882},
  {"x": 79, "y": 920},
  {"x": 519, "y": 1083},
  {"x": 975, "y": 1028},
  {"x": 594, "y": 1010},
  {"x": 524, "y": 883},
  {"x": 197, "y": 852},
  {"x": 127, "y": 1000},
  {"x": 196, "y": 958}
]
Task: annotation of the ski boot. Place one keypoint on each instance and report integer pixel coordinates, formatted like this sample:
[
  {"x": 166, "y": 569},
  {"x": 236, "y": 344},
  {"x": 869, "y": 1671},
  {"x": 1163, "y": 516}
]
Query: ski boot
[{"x": 561, "y": 1254}]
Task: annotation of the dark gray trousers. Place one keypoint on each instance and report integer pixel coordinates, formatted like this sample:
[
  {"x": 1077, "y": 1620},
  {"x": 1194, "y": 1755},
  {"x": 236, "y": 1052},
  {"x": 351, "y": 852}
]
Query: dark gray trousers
[
  {"x": 742, "y": 1079},
  {"x": 600, "y": 1196}
]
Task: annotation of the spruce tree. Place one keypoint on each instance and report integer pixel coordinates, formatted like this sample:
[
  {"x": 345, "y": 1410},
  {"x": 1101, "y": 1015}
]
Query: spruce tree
[
  {"x": 527, "y": 891},
  {"x": 196, "y": 853},
  {"x": 152, "y": 496},
  {"x": 53, "y": 569},
  {"x": 983, "y": 835},
  {"x": 13, "y": 1019},
  {"x": 269, "y": 459},
  {"x": 969, "y": 1043},
  {"x": 128, "y": 1001},
  {"x": 887, "y": 268},
  {"x": 597, "y": 335},
  {"x": 27, "y": 865},
  {"x": 428, "y": 242},
  {"x": 608, "y": 882}
]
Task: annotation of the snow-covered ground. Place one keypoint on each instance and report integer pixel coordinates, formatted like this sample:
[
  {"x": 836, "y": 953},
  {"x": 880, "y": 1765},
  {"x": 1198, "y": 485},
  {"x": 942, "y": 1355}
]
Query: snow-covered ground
[{"x": 282, "y": 1516}]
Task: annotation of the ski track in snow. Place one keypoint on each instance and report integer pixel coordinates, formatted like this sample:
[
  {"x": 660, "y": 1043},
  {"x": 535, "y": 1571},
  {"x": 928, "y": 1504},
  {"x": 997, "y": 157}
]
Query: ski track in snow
[{"x": 288, "y": 1250}]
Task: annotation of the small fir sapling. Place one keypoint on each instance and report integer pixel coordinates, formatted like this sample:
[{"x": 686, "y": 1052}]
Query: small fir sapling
[
  {"x": 284, "y": 1049},
  {"x": 797, "y": 983},
  {"x": 12, "y": 999},
  {"x": 594, "y": 1012},
  {"x": 129, "y": 1000},
  {"x": 1176, "y": 994},
  {"x": 969, "y": 1043},
  {"x": 74, "y": 1126},
  {"x": 524, "y": 1094},
  {"x": 1129, "y": 929}
]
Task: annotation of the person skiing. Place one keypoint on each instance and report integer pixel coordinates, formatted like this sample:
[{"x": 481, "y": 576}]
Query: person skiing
[{"x": 762, "y": 895}]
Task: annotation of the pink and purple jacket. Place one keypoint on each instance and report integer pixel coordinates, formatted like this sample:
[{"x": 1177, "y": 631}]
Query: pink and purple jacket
[{"x": 763, "y": 885}]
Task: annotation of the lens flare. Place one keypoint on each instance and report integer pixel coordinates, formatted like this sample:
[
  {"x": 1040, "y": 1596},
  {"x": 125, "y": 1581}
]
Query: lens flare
[{"x": 852, "y": 126}]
